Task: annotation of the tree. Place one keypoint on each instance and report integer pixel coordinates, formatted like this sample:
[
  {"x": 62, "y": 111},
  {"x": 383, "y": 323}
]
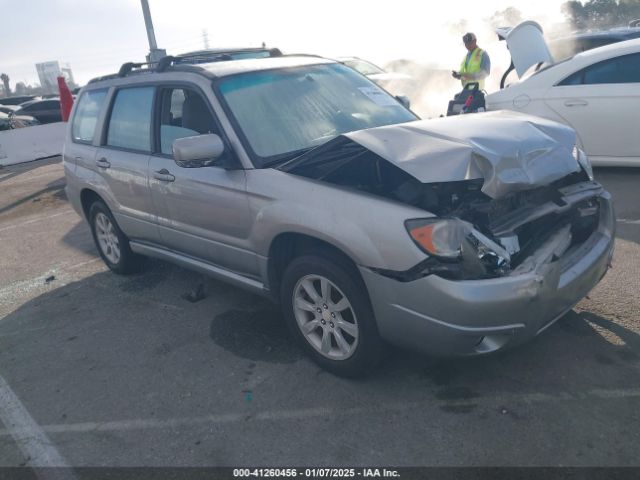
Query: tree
[
  {"x": 509, "y": 17},
  {"x": 600, "y": 14}
]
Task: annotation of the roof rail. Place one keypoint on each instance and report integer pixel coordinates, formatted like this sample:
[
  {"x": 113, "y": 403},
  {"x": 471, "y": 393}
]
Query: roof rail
[
  {"x": 164, "y": 63},
  {"x": 192, "y": 58},
  {"x": 126, "y": 68}
]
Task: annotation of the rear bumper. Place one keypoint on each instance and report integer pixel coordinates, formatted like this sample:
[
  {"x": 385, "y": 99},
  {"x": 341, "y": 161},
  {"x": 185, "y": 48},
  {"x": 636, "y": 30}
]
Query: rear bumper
[{"x": 446, "y": 317}]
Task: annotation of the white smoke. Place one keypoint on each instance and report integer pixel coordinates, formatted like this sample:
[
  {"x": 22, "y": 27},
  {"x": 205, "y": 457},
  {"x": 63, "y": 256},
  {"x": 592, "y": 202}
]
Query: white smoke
[{"x": 436, "y": 86}]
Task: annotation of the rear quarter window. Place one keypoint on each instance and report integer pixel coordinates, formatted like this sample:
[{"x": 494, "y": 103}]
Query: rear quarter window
[{"x": 86, "y": 117}]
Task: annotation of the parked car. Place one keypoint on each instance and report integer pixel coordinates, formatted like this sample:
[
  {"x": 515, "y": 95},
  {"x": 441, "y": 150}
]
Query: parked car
[
  {"x": 9, "y": 122},
  {"x": 397, "y": 83},
  {"x": 21, "y": 121},
  {"x": 570, "y": 45},
  {"x": 597, "y": 92},
  {"x": 18, "y": 100},
  {"x": 300, "y": 179},
  {"x": 45, "y": 111},
  {"x": 5, "y": 122},
  {"x": 8, "y": 109}
]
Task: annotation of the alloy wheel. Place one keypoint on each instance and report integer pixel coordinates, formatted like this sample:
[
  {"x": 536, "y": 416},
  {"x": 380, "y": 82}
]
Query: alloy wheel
[{"x": 325, "y": 317}]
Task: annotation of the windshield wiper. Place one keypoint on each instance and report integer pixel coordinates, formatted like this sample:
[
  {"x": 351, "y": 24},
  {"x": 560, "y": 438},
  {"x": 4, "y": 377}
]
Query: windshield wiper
[{"x": 286, "y": 157}]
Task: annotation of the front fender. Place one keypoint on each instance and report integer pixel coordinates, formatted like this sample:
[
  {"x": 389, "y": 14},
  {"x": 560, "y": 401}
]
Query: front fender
[{"x": 369, "y": 229}]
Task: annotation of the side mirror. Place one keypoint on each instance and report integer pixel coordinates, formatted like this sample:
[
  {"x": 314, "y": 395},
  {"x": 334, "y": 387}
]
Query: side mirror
[
  {"x": 203, "y": 149},
  {"x": 404, "y": 100}
]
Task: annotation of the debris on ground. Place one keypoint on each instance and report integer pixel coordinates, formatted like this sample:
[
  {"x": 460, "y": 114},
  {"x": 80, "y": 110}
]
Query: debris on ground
[{"x": 196, "y": 294}]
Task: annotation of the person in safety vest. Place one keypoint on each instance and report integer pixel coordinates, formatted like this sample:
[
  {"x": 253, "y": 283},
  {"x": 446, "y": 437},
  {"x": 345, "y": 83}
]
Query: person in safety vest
[{"x": 476, "y": 64}]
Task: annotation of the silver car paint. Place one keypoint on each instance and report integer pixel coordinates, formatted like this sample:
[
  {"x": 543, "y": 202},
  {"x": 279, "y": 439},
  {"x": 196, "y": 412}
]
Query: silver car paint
[
  {"x": 510, "y": 150},
  {"x": 231, "y": 239}
]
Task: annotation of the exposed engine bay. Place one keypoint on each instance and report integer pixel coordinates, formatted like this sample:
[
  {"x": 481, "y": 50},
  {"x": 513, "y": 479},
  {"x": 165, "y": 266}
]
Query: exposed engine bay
[{"x": 503, "y": 233}]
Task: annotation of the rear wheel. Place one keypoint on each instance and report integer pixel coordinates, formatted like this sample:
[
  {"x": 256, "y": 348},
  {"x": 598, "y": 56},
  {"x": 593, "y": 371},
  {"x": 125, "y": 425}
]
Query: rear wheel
[
  {"x": 327, "y": 308},
  {"x": 112, "y": 243}
]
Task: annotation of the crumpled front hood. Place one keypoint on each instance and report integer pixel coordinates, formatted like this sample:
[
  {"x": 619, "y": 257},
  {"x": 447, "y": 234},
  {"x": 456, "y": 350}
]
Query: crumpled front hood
[{"x": 510, "y": 150}]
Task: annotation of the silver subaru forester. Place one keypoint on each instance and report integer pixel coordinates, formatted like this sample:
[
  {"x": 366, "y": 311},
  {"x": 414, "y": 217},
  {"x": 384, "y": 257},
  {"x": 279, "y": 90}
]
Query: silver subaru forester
[{"x": 298, "y": 178}]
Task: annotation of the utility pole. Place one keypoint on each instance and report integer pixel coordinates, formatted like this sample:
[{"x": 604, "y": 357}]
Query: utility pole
[{"x": 155, "y": 53}]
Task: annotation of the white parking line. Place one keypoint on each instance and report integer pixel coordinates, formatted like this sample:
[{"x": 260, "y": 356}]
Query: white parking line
[
  {"x": 29, "y": 437},
  {"x": 499, "y": 401},
  {"x": 36, "y": 219},
  {"x": 628, "y": 222}
]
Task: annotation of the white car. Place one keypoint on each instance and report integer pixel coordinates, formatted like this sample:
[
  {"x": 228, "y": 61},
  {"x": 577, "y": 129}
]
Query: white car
[
  {"x": 597, "y": 92},
  {"x": 394, "y": 82}
]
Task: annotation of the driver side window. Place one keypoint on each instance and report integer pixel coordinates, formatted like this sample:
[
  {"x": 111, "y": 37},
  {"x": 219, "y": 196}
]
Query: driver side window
[{"x": 183, "y": 113}]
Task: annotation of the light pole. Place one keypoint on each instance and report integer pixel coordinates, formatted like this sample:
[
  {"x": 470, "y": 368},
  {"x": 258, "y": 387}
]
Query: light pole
[
  {"x": 5, "y": 81},
  {"x": 155, "y": 53}
]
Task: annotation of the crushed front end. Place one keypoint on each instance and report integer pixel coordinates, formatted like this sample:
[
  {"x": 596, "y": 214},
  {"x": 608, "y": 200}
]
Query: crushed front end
[
  {"x": 515, "y": 230},
  {"x": 526, "y": 260}
]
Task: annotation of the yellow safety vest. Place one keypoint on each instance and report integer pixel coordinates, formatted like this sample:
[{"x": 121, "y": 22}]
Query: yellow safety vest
[{"x": 472, "y": 66}]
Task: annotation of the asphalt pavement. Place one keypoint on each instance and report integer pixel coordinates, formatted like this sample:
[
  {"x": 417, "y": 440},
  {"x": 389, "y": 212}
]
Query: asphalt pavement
[{"x": 104, "y": 370}]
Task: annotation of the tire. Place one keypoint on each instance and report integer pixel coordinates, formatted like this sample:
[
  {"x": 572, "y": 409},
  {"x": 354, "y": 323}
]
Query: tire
[
  {"x": 112, "y": 244},
  {"x": 360, "y": 347}
]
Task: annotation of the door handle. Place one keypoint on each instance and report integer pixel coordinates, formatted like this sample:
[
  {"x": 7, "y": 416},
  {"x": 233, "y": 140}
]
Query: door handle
[
  {"x": 576, "y": 103},
  {"x": 103, "y": 163},
  {"x": 163, "y": 175}
]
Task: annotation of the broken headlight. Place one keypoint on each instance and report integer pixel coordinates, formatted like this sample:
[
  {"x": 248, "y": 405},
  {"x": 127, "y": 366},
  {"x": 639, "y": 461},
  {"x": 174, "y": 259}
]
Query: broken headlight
[
  {"x": 442, "y": 238},
  {"x": 454, "y": 239},
  {"x": 584, "y": 161}
]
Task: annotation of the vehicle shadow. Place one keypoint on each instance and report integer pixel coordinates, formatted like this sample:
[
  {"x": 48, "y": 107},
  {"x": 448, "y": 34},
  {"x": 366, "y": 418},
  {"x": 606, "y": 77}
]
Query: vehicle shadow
[
  {"x": 79, "y": 238},
  {"x": 168, "y": 348},
  {"x": 114, "y": 321}
]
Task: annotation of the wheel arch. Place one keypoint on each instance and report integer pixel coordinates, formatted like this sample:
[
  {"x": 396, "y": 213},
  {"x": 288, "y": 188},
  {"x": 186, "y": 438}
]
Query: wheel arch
[
  {"x": 287, "y": 246},
  {"x": 89, "y": 196}
]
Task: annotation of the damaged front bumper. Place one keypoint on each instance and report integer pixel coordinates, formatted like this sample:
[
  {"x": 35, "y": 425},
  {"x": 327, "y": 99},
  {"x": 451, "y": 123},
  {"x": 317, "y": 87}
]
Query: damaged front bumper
[{"x": 466, "y": 317}]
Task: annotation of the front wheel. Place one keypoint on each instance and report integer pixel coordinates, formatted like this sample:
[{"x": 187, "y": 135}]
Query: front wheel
[{"x": 327, "y": 308}]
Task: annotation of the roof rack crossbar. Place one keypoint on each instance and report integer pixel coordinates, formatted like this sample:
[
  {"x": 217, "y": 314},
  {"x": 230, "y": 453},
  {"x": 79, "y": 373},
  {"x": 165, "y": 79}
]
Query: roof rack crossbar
[{"x": 203, "y": 56}]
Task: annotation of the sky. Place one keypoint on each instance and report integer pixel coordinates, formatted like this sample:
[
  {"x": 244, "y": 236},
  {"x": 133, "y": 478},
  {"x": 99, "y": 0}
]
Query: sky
[{"x": 96, "y": 37}]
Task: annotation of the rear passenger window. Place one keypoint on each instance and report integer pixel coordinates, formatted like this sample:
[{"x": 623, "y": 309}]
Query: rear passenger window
[
  {"x": 183, "y": 113},
  {"x": 130, "y": 122},
  {"x": 624, "y": 69},
  {"x": 86, "y": 117}
]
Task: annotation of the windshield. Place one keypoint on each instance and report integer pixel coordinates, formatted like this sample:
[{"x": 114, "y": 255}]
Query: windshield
[
  {"x": 363, "y": 67},
  {"x": 281, "y": 113}
]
